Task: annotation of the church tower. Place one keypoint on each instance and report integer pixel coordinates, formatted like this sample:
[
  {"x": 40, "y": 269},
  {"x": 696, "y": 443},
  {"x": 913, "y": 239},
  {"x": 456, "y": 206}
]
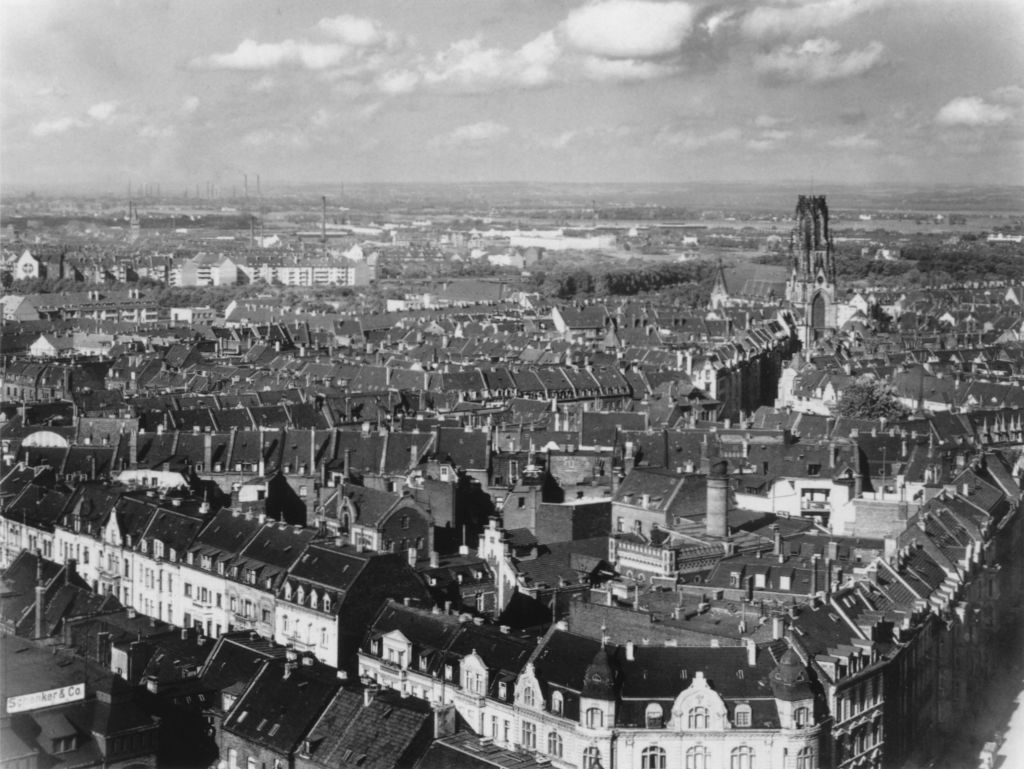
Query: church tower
[{"x": 812, "y": 282}]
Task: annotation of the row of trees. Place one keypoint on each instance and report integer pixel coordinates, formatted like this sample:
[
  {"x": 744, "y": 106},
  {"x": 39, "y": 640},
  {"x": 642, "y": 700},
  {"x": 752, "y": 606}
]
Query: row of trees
[{"x": 625, "y": 280}]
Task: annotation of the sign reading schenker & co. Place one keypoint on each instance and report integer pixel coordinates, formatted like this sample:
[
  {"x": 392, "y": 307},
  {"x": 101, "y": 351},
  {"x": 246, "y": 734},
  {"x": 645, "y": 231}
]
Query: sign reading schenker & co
[{"x": 45, "y": 699}]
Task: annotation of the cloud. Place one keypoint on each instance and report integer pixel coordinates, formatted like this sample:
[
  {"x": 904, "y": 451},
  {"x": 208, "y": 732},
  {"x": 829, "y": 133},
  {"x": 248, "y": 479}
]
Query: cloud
[
  {"x": 691, "y": 140},
  {"x": 817, "y": 61},
  {"x": 397, "y": 82},
  {"x": 768, "y": 140},
  {"x": 103, "y": 111},
  {"x": 473, "y": 134},
  {"x": 1009, "y": 94},
  {"x": 799, "y": 19},
  {"x": 56, "y": 126},
  {"x": 624, "y": 70},
  {"x": 767, "y": 121},
  {"x": 853, "y": 142},
  {"x": 972, "y": 111},
  {"x": 354, "y": 30},
  {"x": 250, "y": 55},
  {"x": 190, "y": 105},
  {"x": 467, "y": 65},
  {"x": 629, "y": 29}
]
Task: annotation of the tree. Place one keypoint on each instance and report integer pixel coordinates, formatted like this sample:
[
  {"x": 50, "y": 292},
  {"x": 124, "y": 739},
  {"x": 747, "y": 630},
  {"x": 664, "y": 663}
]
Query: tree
[{"x": 868, "y": 399}]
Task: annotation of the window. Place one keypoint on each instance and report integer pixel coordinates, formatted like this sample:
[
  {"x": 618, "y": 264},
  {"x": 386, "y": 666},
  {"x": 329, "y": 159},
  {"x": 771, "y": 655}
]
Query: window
[
  {"x": 619, "y": 523},
  {"x": 653, "y": 716},
  {"x": 250, "y": 763},
  {"x": 405, "y": 522},
  {"x": 555, "y": 745},
  {"x": 742, "y": 715},
  {"x": 521, "y": 503},
  {"x": 806, "y": 759},
  {"x": 742, "y": 758},
  {"x": 233, "y": 603},
  {"x": 232, "y": 758},
  {"x": 494, "y": 727},
  {"x": 323, "y": 637},
  {"x": 447, "y": 672},
  {"x": 326, "y": 603},
  {"x": 802, "y": 717},
  {"x": 653, "y": 757},
  {"x": 813, "y": 470},
  {"x": 529, "y": 735},
  {"x": 188, "y": 590},
  {"x": 528, "y": 699},
  {"x": 591, "y": 758},
  {"x": 595, "y": 718},
  {"x": 697, "y": 718},
  {"x": 557, "y": 703},
  {"x": 502, "y": 691},
  {"x": 696, "y": 757}
]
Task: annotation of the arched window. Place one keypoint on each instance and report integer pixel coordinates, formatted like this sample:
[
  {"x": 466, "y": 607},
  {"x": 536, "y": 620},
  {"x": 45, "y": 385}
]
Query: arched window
[
  {"x": 742, "y": 758},
  {"x": 557, "y": 703},
  {"x": 653, "y": 757},
  {"x": 287, "y": 591},
  {"x": 806, "y": 759},
  {"x": 741, "y": 717},
  {"x": 528, "y": 699},
  {"x": 802, "y": 717},
  {"x": 696, "y": 757},
  {"x": 591, "y": 758},
  {"x": 697, "y": 718},
  {"x": 595, "y": 718},
  {"x": 653, "y": 716},
  {"x": 554, "y": 744}
]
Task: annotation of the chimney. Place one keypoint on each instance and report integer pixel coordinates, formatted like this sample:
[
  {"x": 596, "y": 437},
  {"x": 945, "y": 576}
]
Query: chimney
[
  {"x": 412, "y": 553},
  {"x": 413, "y": 456},
  {"x": 630, "y": 651},
  {"x": 434, "y": 559},
  {"x": 815, "y": 560},
  {"x": 778, "y": 627},
  {"x": 369, "y": 693},
  {"x": 207, "y": 452},
  {"x": 40, "y": 595},
  {"x": 777, "y": 537},
  {"x": 751, "y": 652},
  {"x": 718, "y": 499},
  {"x": 133, "y": 450}
]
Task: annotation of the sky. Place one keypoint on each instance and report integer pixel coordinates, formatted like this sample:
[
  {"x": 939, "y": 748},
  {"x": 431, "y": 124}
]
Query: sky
[{"x": 179, "y": 92}]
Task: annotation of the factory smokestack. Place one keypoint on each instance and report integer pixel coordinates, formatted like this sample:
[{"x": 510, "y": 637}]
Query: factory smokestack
[{"x": 323, "y": 225}]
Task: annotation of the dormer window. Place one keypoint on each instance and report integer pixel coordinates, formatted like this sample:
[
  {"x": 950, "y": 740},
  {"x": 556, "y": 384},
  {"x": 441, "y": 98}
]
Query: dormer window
[
  {"x": 557, "y": 703},
  {"x": 288, "y": 591},
  {"x": 741, "y": 717},
  {"x": 502, "y": 691},
  {"x": 325, "y": 604},
  {"x": 301, "y": 596}
]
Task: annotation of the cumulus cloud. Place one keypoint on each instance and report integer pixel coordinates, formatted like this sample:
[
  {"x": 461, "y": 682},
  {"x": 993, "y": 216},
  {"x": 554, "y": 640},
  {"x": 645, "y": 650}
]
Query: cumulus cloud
[
  {"x": 624, "y": 70},
  {"x": 469, "y": 65},
  {"x": 354, "y": 30},
  {"x": 818, "y": 60},
  {"x": 799, "y": 19},
  {"x": 56, "y": 126},
  {"x": 250, "y": 55},
  {"x": 102, "y": 112},
  {"x": 397, "y": 82},
  {"x": 473, "y": 134},
  {"x": 692, "y": 140},
  {"x": 859, "y": 141},
  {"x": 767, "y": 121},
  {"x": 973, "y": 112},
  {"x": 190, "y": 105},
  {"x": 629, "y": 29}
]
